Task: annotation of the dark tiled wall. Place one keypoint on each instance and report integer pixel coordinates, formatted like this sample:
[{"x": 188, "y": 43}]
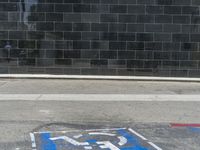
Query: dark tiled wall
[{"x": 104, "y": 37}]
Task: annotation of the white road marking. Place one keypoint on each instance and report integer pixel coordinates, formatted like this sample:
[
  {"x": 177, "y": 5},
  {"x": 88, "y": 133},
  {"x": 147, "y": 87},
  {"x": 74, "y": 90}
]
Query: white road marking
[
  {"x": 142, "y": 137},
  {"x": 122, "y": 141},
  {"x": 106, "y": 145},
  {"x": 101, "y": 133},
  {"x": 155, "y": 146},
  {"x": 33, "y": 140},
  {"x": 89, "y": 130},
  {"x": 72, "y": 141},
  {"x": 139, "y": 135},
  {"x": 88, "y": 147},
  {"x": 103, "y": 144},
  {"x": 77, "y": 136}
]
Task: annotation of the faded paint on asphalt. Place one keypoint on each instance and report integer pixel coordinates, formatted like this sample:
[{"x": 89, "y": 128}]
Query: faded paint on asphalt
[{"x": 112, "y": 139}]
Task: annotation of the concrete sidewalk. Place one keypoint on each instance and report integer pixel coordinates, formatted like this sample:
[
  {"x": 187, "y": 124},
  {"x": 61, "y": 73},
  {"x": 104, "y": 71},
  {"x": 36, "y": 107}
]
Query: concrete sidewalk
[
  {"x": 95, "y": 90},
  {"x": 66, "y": 86}
]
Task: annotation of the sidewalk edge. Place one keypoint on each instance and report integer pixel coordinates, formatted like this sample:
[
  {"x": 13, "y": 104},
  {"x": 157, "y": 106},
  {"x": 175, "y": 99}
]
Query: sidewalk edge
[
  {"x": 98, "y": 77},
  {"x": 101, "y": 97}
]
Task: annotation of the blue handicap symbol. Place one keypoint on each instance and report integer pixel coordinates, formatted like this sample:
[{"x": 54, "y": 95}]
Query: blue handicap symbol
[
  {"x": 46, "y": 143},
  {"x": 132, "y": 142}
]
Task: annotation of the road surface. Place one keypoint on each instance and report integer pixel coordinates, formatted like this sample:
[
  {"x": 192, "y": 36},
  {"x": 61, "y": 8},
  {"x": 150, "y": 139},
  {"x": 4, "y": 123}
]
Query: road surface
[{"x": 45, "y": 119}]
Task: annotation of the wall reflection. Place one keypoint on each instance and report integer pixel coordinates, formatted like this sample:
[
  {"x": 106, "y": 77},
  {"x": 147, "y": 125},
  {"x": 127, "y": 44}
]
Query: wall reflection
[{"x": 26, "y": 8}]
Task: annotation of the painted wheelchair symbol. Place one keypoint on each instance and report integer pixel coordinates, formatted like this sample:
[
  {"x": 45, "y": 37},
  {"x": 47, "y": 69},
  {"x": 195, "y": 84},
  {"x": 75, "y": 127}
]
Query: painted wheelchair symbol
[
  {"x": 109, "y": 139},
  {"x": 102, "y": 144}
]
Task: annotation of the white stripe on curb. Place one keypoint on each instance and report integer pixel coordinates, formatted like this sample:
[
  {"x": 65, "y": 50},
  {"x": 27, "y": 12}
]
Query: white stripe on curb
[
  {"x": 98, "y": 97},
  {"x": 91, "y": 77}
]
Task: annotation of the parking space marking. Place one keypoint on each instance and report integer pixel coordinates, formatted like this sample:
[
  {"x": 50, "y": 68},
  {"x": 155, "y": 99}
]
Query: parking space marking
[
  {"x": 110, "y": 139},
  {"x": 33, "y": 141}
]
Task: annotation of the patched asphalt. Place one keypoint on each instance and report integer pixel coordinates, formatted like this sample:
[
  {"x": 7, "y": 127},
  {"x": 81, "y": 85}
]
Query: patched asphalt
[
  {"x": 149, "y": 119},
  {"x": 96, "y": 136}
]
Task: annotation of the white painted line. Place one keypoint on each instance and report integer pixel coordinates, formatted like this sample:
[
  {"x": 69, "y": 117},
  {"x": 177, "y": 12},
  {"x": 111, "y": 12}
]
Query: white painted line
[
  {"x": 122, "y": 141},
  {"x": 143, "y": 78},
  {"x": 88, "y": 147},
  {"x": 155, "y": 146},
  {"x": 77, "y": 136},
  {"x": 139, "y": 135},
  {"x": 33, "y": 140},
  {"x": 86, "y": 144},
  {"x": 101, "y": 133},
  {"x": 107, "y": 145},
  {"x": 106, "y": 129},
  {"x": 143, "y": 138},
  {"x": 70, "y": 140},
  {"x": 100, "y": 97},
  {"x": 89, "y": 130}
]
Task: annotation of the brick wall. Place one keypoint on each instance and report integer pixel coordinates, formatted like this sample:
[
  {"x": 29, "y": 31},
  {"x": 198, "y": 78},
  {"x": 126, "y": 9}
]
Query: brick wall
[{"x": 100, "y": 37}]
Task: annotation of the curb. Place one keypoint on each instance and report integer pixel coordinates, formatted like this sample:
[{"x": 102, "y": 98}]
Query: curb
[
  {"x": 90, "y": 77},
  {"x": 100, "y": 97}
]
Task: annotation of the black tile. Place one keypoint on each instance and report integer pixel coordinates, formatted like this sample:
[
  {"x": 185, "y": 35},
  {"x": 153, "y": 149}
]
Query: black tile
[
  {"x": 191, "y": 10},
  {"x": 126, "y": 36},
  {"x": 81, "y": 44},
  {"x": 162, "y": 37},
  {"x": 99, "y": 27},
  {"x": 72, "y": 35},
  {"x": 108, "y": 18},
  {"x": 172, "y": 10},
  {"x": 63, "y": 26},
  {"x": 90, "y": 35},
  {"x": 136, "y": 9},
  {"x": 195, "y": 38},
  {"x": 101, "y": 37},
  {"x": 154, "y": 9},
  {"x": 117, "y": 45},
  {"x": 111, "y": 36},
  {"x": 135, "y": 45},
  {"x": 180, "y": 37},
  {"x": 27, "y": 44},
  {"x": 81, "y": 27},
  {"x": 153, "y": 46},
  {"x": 127, "y": 18},
  {"x": 153, "y": 28},
  {"x": 108, "y": 54},
  {"x": 43, "y": 26},
  {"x": 171, "y": 28},
  {"x": 81, "y": 8},
  {"x": 144, "y": 37},
  {"x": 171, "y": 46},
  {"x": 181, "y": 19},
  {"x": 118, "y": 8},
  {"x": 126, "y": 55},
  {"x": 135, "y": 27},
  {"x": 145, "y": 19},
  {"x": 163, "y": 19}
]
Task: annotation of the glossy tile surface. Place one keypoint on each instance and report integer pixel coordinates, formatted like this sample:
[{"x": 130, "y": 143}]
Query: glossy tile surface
[{"x": 100, "y": 37}]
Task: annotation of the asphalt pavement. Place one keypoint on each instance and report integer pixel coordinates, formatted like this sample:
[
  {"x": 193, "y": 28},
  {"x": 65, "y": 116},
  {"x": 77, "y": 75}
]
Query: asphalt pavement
[{"x": 38, "y": 124}]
